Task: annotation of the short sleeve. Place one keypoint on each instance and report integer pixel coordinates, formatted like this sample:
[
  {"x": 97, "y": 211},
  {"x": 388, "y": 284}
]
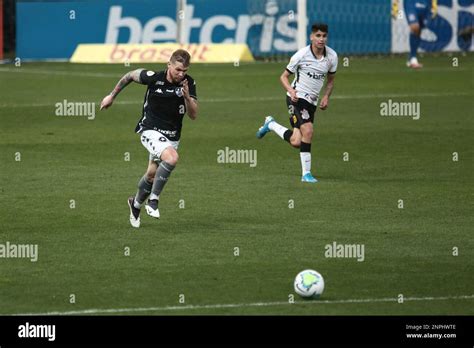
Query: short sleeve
[
  {"x": 148, "y": 77},
  {"x": 333, "y": 68},
  {"x": 192, "y": 88},
  {"x": 293, "y": 64}
]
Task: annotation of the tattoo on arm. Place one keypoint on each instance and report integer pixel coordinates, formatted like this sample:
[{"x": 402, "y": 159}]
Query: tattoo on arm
[{"x": 125, "y": 80}]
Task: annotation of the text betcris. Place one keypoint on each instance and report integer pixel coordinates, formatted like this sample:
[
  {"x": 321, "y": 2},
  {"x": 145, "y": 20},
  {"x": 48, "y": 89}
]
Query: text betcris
[{"x": 276, "y": 31}]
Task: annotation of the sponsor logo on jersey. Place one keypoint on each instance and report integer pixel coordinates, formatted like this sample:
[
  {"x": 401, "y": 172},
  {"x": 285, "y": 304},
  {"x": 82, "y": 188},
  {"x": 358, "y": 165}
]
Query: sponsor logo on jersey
[
  {"x": 167, "y": 132},
  {"x": 310, "y": 97},
  {"x": 315, "y": 76}
]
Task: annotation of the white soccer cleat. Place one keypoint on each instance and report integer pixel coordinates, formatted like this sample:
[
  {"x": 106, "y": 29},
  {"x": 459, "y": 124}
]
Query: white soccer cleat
[
  {"x": 414, "y": 64},
  {"x": 134, "y": 214},
  {"x": 152, "y": 209}
]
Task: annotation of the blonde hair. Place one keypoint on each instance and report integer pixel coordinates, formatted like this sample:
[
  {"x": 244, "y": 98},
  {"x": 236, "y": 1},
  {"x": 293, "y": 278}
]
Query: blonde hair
[{"x": 181, "y": 56}]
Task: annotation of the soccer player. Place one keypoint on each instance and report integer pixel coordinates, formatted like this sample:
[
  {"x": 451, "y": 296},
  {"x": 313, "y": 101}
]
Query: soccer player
[
  {"x": 417, "y": 12},
  {"x": 311, "y": 64},
  {"x": 169, "y": 96}
]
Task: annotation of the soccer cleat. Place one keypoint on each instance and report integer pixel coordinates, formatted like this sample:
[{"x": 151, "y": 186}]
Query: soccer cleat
[
  {"x": 134, "y": 213},
  {"x": 264, "y": 129},
  {"x": 308, "y": 177},
  {"x": 152, "y": 209}
]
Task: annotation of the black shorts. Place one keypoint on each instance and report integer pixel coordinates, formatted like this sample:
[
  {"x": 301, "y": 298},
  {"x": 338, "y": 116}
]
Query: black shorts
[{"x": 300, "y": 112}]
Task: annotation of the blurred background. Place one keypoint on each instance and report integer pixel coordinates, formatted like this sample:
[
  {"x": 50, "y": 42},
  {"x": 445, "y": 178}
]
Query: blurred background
[{"x": 39, "y": 30}]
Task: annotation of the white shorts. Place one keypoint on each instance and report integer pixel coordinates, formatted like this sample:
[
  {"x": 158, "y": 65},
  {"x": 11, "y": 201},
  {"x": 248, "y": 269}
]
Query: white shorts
[{"x": 155, "y": 142}]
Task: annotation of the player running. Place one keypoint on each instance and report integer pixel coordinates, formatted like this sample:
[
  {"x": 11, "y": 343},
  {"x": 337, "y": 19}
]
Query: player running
[
  {"x": 170, "y": 95},
  {"x": 311, "y": 65},
  {"x": 417, "y": 13}
]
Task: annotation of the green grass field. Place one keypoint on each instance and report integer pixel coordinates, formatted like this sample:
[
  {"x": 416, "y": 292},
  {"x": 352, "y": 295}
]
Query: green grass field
[{"x": 190, "y": 250}]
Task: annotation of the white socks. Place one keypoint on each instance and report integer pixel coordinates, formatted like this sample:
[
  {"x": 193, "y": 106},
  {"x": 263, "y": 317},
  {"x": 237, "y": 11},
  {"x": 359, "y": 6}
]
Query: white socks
[
  {"x": 154, "y": 196},
  {"x": 305, "y": 150},
  {"x": 305, "y": 162},
  {"x": 278, "y": 129}
]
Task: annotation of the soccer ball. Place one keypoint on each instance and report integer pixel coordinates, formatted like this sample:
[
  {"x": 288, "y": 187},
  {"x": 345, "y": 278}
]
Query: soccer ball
[{"x": 309, "y": 283}]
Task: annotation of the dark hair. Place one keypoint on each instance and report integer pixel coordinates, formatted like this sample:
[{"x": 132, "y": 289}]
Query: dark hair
[
  {"x": 181, "y": 56},
  {"x": 319, "y": 26}
]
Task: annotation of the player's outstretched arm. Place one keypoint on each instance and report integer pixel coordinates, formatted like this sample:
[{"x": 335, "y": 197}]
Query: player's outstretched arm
[
  {"x": 133, "y": 75},
  {"x": 327, "y": 93}
]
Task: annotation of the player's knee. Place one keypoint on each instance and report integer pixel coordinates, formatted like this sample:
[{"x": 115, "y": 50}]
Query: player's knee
[
  {"x": 307, "y": 133},
  {"x": 295, "y": 142},
  {"x": 170, "y": 156}
]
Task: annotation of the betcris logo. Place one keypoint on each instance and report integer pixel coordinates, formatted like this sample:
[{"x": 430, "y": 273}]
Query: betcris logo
[
  {"x": 268, "y": 27},
  {"x": 265, "y": 32},
  {"x": 451, "y": 27}
]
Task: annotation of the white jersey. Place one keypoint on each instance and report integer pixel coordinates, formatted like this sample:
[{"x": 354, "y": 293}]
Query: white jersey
[{"x": 311, "y": 72}]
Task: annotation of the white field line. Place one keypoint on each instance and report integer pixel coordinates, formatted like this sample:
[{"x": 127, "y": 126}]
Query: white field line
[
  {"x": 139, "y": 101},
  {"x": 241, "y": 305},
  {"x": 232, "y": 74},
  {"x": 59, "y": 72},
  {"x": 115, "y": 75}
]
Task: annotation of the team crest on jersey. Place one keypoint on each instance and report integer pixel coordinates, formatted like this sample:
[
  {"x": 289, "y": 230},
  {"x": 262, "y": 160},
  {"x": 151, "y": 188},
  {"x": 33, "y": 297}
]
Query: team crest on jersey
[
  {"x": 179, "y": 91},
  {"x": 304, "y": 114}
]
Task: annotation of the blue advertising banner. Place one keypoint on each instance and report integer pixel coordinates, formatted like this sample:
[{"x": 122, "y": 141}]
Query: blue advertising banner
[{"x": 52, "y": 29}]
